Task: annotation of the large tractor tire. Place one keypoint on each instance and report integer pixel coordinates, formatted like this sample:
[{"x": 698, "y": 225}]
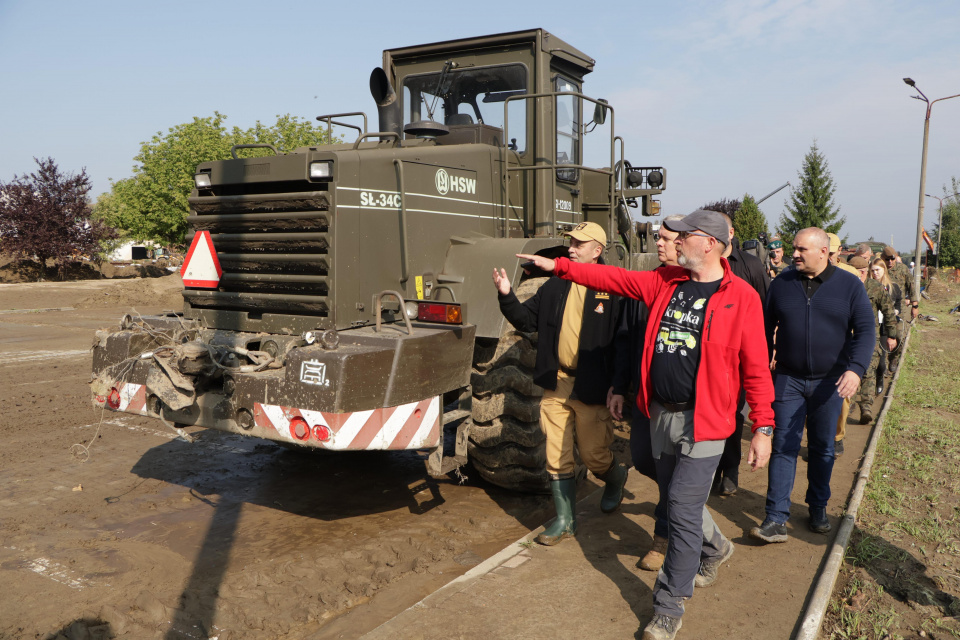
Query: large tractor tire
[{"x": 507, "y": 446}]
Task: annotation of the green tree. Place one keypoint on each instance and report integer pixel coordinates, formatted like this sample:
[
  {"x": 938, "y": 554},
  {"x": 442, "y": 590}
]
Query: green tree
[
  {"x": 811, "y": 203},
  {"x": 152, "y": 203},
  {"x": 748, "y": 220},
  {"x": 950, "y": 233}
]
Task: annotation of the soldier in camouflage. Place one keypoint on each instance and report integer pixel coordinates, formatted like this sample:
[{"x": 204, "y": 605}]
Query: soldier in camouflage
[
  {"x": 775, "y": 263},
  {"x": 882, "y": 307},
  {"x": 900, "y": 274}
]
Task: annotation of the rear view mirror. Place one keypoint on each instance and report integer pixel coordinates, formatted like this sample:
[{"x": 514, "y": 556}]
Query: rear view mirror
[{"x": 600, "y": 112}]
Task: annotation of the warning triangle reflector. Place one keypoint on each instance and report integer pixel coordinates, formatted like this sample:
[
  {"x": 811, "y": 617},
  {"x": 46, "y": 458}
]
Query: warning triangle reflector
[{"x": 201, "y": 268}]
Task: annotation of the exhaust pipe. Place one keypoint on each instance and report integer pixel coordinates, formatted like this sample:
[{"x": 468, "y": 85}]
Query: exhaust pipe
[{"x": 388, "y": 107}]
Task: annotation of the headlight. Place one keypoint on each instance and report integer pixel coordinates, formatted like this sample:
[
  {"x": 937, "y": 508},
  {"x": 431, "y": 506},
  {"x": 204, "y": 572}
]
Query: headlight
[
  {"x": 321, "y": 170},
  {"x": 202, "y": 180}
]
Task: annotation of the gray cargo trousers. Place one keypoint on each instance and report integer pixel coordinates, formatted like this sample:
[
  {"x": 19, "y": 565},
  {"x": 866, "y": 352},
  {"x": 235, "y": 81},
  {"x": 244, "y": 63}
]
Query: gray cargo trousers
[{"x": 685, "y": 472}]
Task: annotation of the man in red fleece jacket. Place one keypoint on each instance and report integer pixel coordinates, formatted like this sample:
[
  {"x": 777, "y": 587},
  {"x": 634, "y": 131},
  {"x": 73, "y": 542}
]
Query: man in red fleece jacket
[{"x": 707, "y": 337}]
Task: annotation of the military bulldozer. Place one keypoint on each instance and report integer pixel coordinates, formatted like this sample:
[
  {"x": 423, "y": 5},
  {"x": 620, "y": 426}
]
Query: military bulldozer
[{"x": 339, "y": 297}]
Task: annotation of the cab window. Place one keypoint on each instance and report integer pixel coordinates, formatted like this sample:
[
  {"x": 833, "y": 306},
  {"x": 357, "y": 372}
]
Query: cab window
[
  {"x": 568, "y": 129},
  {"x": 474, "y": 95}
]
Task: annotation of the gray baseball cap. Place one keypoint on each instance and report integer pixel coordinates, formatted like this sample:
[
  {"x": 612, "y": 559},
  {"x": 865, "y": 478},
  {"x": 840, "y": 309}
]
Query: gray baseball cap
[{"x": 710, "y": 222}]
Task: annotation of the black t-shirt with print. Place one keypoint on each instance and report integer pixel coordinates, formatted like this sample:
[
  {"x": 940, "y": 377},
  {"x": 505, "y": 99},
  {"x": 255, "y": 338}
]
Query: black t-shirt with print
[{"x": 676, "y": 353}]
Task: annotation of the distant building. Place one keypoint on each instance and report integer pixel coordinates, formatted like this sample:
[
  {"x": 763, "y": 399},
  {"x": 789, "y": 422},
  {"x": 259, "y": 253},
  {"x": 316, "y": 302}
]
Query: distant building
[{"x": 134, "y": 250}]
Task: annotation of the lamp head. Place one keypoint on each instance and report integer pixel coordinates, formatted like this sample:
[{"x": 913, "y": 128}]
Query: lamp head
[{"x": 910, "y": 82}]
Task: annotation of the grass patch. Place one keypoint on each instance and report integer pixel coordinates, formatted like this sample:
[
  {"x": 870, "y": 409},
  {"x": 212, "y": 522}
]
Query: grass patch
[{"x": 901, "y": 573}]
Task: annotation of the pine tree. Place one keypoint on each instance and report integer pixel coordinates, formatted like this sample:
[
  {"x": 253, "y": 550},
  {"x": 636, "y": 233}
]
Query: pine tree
[
  {"x": 811, "y": 204},
  {"x": 748, "y": 220}
]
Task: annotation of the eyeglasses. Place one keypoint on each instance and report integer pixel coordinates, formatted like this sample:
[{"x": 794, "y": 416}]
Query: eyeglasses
[{"x": 686, "y": 234}]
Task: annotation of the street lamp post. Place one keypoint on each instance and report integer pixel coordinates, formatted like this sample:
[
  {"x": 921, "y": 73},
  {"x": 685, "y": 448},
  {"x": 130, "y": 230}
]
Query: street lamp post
[
  {"x": 923, "y": 180},
  {"x": 940, "y": 221}
]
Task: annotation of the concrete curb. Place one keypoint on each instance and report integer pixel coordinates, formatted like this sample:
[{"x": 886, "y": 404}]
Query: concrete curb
[{"x": 817, "y": 607}]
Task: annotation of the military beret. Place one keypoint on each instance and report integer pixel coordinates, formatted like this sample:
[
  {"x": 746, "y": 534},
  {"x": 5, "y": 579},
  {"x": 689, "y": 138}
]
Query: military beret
[
  {"x": 889, "y": 252},
  {"x": 858, "y": 263}
]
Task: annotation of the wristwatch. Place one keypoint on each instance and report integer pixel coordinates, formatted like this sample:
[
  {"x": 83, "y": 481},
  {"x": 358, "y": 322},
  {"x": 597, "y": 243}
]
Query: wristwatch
[{"x": 767, "y": 431}]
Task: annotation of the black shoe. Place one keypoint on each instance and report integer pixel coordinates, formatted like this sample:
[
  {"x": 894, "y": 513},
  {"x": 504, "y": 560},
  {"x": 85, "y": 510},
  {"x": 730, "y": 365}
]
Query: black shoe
[
  {"x": 838, "y": 448},
  {"x": 818, "y": 520},
  {"x": 727, "y": 487},
  {"x": 770, "y": 531}
]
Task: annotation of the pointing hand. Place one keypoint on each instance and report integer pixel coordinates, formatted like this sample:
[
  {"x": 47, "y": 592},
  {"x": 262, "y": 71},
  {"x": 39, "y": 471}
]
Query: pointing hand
[{"x": 544, "y": 264}]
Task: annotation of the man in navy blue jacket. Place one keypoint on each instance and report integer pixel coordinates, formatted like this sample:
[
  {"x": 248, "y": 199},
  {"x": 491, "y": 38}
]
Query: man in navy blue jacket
[{"x": 823, "y": 324}]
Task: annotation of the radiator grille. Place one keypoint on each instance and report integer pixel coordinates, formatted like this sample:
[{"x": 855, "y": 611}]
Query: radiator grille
[{"x": 274, "y": 249}]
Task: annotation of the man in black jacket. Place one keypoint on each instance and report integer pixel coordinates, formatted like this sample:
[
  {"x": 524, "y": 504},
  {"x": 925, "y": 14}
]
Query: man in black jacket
[
  {"x": 574, "y": 366},
  {"x": 750, "y": 268}
]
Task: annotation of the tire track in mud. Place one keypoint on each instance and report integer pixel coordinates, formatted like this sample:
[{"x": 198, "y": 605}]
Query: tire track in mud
[{"x": 20, "y": 357}]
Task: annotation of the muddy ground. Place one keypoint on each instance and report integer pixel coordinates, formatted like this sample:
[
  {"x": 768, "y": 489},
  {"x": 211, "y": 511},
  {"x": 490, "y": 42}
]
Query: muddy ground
[
  {"x": 111, "y": 523},
  {"x": 111, "y": 526}
]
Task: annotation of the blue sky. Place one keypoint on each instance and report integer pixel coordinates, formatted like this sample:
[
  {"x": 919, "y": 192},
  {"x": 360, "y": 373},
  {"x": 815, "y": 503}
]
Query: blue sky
[{"x": 728, "y": 95}]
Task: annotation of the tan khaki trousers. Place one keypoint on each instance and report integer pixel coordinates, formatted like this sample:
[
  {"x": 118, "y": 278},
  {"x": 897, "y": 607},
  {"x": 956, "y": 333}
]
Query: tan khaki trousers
[
  {"x": 568, "y": 423},
  {"x": 842, "y": 422}
]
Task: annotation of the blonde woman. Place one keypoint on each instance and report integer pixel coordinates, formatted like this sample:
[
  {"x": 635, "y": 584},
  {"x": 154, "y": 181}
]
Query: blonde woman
[{"x": 878, "y": 271}]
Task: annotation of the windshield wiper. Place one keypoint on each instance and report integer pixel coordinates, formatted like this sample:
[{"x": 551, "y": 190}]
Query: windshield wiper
[{"x": 449, "y": 64}]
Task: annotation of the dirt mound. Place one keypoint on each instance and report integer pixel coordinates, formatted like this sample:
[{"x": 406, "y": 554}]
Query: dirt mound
[
  {"x": 162, "y": 292},
  {"x": 943, "y": 285},
  {"x": 14, "y": 271}
]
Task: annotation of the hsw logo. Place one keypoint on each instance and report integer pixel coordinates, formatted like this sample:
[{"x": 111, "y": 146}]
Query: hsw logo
[{"x": 446, "y": 182}]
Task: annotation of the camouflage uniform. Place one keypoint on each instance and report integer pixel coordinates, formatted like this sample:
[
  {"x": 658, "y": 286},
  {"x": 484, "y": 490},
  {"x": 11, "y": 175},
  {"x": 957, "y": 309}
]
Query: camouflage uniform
[
  {"x": 900, "y": 275},
  {"x": 774, "y": 270},
  {"x": 880, "y": 301}
]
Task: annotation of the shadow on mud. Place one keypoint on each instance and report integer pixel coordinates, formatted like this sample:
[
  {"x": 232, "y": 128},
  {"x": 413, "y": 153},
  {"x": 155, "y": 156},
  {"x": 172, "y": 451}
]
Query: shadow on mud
[
  {"x": 225, "y": 471},
  {"x": 83, "y": 629},
  {"x": 900, "y": 573},
  {"x": 314, "y": 484}
]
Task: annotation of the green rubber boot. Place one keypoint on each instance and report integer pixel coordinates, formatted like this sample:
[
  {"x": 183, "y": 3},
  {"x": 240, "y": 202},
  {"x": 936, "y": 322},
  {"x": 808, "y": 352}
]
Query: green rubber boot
[
  {"x": 615, "y": 479},
  {"x": 565, "y": 524}
]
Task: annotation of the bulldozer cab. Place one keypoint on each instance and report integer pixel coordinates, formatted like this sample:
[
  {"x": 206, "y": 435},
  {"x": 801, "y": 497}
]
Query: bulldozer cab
[{"x": 523, "y": 92}]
